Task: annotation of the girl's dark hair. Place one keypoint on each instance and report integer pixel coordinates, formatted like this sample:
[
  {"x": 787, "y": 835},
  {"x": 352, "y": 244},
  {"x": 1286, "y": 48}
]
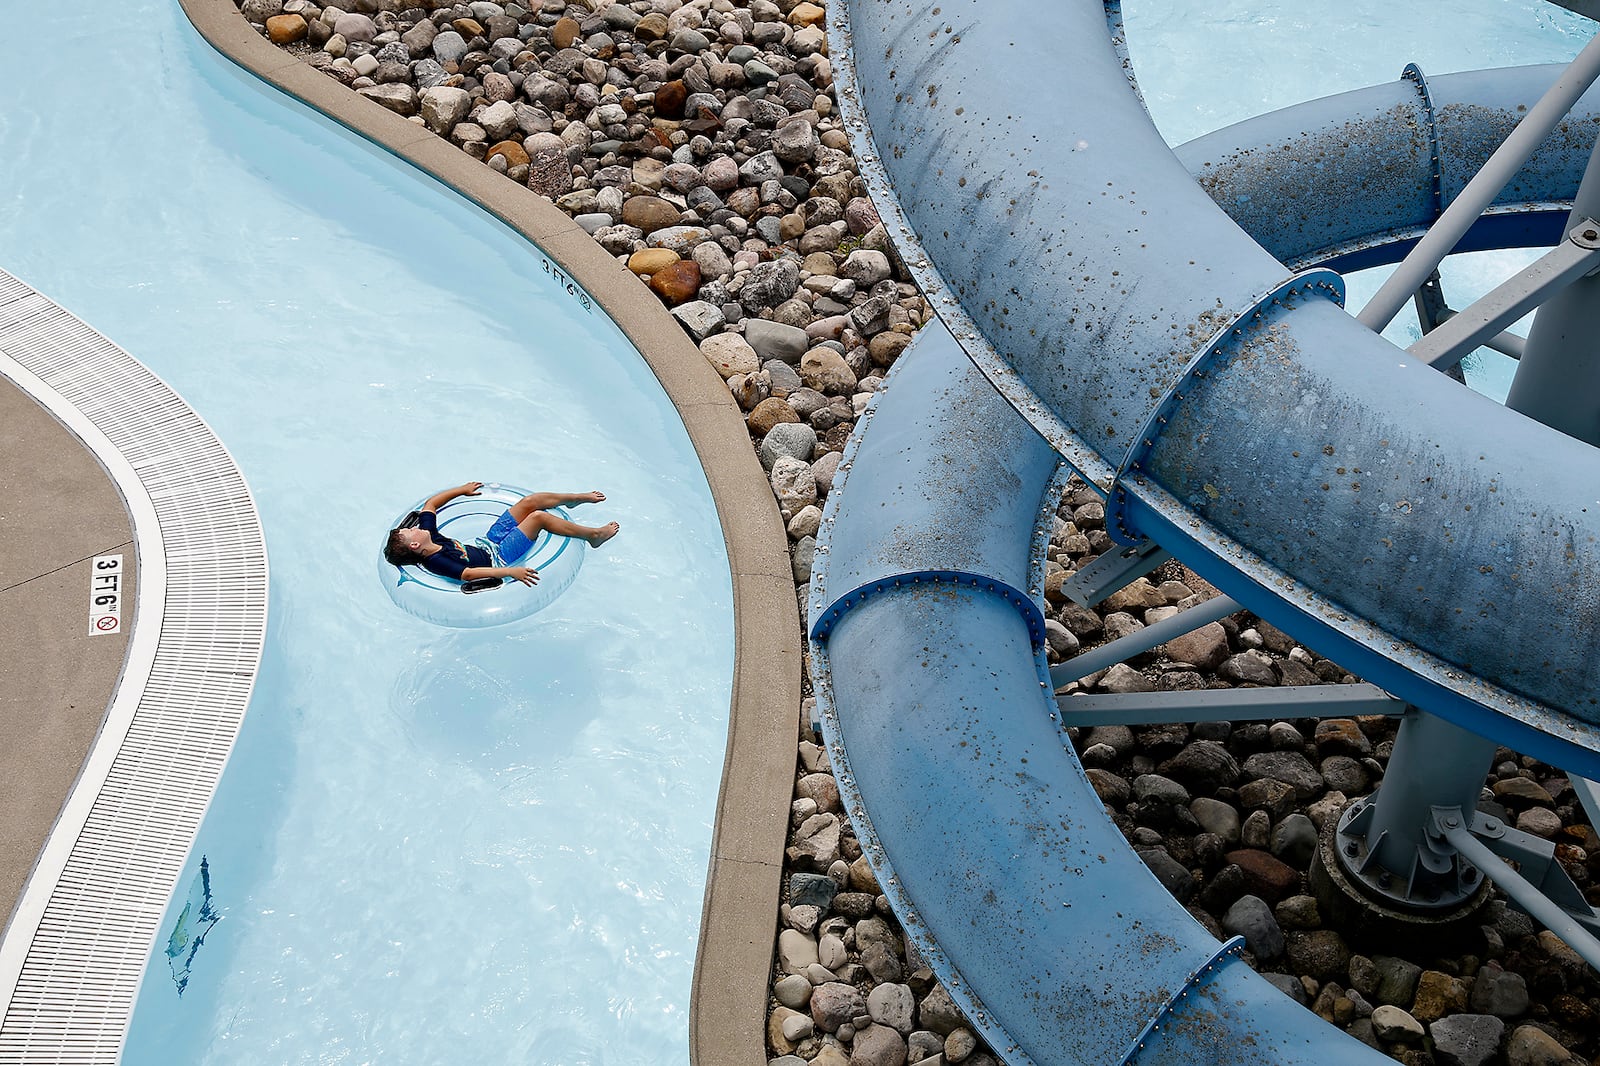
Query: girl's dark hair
[{"x": 397, "y": 552}]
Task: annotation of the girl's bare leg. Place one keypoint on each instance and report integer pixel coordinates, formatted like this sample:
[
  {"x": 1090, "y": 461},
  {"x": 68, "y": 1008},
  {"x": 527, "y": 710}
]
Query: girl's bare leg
[
  {"x": 543, "y": 501},
  {"x": 549, "y": 523}
]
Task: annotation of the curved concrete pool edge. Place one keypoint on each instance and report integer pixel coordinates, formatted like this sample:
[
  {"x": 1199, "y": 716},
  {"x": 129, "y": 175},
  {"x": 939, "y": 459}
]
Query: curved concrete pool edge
[
  {"x": 59, "y": 508},
  {"x": 728, "y": 1000},
  {"x": 77, "y": 939}
]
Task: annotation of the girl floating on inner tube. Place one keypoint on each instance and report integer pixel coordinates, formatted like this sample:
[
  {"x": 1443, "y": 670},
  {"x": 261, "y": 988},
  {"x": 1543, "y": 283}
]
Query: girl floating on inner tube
[{"x": 509, "y": 539}]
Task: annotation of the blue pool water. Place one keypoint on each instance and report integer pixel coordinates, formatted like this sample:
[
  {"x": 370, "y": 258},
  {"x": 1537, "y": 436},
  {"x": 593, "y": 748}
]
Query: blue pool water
[
  {"x": 1202, "y": 68},
  {"x": 430, "y": 845}
]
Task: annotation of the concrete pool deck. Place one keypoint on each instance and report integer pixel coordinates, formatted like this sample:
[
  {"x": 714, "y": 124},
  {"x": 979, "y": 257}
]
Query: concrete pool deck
[
  {"x": 48, "y": 659},
  {"x": 58, "y": 510}
]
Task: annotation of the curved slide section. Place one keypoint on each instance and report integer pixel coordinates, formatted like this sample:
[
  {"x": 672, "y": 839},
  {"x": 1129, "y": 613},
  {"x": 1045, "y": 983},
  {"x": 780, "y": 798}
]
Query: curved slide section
[
  {"x": 1408, "y": 147},
  {"x": 1063, "y": 946},
  {"x": 1234, "y": 414},
  {"x": 1292, "y": 457}
]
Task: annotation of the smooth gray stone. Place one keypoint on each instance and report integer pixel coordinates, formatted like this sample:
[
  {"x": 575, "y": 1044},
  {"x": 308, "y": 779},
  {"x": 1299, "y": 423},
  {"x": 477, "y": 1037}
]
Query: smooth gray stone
[
  {"x": 1397, "y": 980},
  {"x": 794, "y": 439},
  {"x": 1494, "y": 991},
  {"x": 701, "y": 319},
  {"x": 1153, "y": 788},
  {"x": 784, "y": 378},
  {"x": 1251, "y": 918},
  {"x": 1294, "y": 840},
  {"x": 1289, "y": 767},
  {"x": 1466, "y": 1039},
  {"x": 449, "y": 47},
  {"x": 1289, "y": 985},
  {"x": 1172, "y": 874}
]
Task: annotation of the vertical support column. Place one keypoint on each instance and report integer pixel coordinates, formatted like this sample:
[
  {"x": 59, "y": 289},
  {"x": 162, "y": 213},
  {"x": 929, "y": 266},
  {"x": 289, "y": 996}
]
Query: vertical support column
[
  {"x": 1558, "y": 378},
  {"x": 1384, "y": 843}
]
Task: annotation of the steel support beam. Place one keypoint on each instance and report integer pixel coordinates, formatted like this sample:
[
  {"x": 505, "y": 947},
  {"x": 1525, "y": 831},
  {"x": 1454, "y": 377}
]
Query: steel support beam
[
  {"x": 1114, "y": 570},
  {"x": 1507, "y": 343},
  {"x": 1588, "y": 795},
  {"x": 1228, "y": 705},
  {"x": 1451, "y": 824},
  {"x": 1432, "y": 311},
  {"x": 1480, "y": 192},
  {"x": 1457, "y": 334}
]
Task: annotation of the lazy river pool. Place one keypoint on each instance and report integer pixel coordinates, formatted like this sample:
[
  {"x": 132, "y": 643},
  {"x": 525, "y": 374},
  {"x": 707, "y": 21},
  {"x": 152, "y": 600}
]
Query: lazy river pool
[{"x": 430, "y": 845}]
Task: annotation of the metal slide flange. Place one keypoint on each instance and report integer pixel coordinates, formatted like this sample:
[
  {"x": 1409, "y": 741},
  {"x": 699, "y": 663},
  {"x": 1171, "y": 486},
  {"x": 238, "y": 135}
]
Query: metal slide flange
[{"x": 1262, "y": 313}]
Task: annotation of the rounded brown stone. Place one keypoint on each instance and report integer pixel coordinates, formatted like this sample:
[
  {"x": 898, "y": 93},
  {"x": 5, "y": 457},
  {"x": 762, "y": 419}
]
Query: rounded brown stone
[
  {"x": 649, "y": 213},
  {"x": 650, "y": 260},
  {"x": 821, "y": 788},
  {"x": 677, "y": 283},
  {"x": 862, "y": 879},
  {"x": 807, "y": 14},
  {"x": 1318, "y": 953},
  {"x": 652, "y": 27},
  {"x": 826, "y": 371},
  {"x": 885, "y": 348},
  {"x": 1341, "y": 736},
  {"x": 820, "y": 263},
  {"x": 1438, "y": 994},
  {"x": 1520, "y": 790},
  {"x": 565, "y": 32},
  {"x": 285, "y": 29},
  {"x": 670, "y": 98},
  {"x": 768, "y": 413},
  {"x": 513, "y": 152},
  {"x": 1265, "y": 875}
]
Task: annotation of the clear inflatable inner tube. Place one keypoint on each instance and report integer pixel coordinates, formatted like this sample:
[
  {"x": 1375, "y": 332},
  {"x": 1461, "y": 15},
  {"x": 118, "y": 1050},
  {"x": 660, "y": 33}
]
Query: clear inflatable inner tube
[{"x": 474, "y": 605}]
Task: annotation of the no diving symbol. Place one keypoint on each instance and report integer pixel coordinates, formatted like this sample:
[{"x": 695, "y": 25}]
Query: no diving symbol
[{"x": 106, "y": 623}]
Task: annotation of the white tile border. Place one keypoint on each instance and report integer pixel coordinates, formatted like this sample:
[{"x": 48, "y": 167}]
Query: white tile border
[{"x": 77, "y": 945}]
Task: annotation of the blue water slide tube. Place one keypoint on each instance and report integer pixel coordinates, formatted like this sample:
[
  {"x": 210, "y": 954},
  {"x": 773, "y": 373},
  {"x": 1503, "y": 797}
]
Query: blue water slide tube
[
  {"x": 1118, "y": 319},
  {"x": 927, "y": 649},
  {"x": 1351, "y": 181},
  {"x": 1231, "y": 409}
]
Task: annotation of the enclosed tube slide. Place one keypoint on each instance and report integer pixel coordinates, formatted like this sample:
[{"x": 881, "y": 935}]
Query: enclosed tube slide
[
  {"x": 1045, "y": 927},
  {"x": 1233, "y": 413}
]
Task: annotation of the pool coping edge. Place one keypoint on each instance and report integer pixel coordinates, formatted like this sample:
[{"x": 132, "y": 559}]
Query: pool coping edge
[
  {"x": 728, "y": 997},
  {"x": 123, "y": 835}
]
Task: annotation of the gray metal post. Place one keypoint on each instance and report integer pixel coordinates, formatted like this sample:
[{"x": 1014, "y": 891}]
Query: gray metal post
[
  {"x": 1558, "y": 377},
  {"x": 1384, "y": 842}
]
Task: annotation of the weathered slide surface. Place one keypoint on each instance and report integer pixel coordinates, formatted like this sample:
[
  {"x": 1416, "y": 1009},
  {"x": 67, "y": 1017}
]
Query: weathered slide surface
[{"x": 1101, "y": 309}]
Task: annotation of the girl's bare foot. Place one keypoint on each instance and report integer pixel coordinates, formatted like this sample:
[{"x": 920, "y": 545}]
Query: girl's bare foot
[
  {"x": 589, "y": 497},
  {"x": 603, "y": 534}
]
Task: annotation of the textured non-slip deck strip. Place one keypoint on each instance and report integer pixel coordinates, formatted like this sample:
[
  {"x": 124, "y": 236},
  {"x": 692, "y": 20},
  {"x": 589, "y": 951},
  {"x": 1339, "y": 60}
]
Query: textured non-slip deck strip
[{"x": 72, "y": 958}]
